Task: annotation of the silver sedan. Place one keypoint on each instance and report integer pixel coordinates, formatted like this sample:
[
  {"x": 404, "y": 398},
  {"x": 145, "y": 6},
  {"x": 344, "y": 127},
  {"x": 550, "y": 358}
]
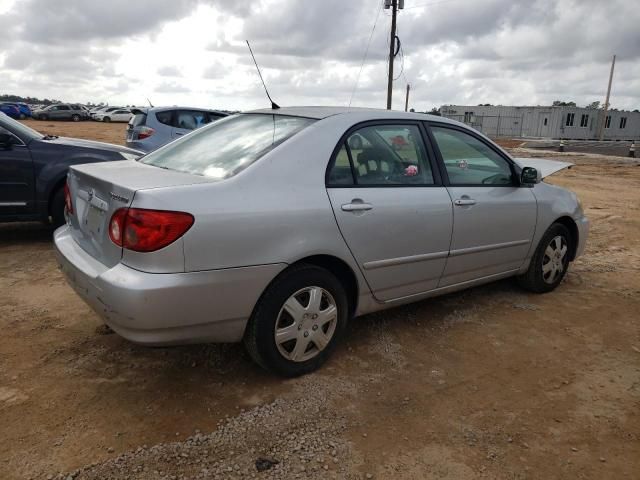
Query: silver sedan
[{"x": 275, "y": 227}]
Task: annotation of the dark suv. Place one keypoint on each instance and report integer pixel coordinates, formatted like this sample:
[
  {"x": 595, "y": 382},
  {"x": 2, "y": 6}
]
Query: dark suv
[
  {"x": 33, "y": 169},
  {"x": 61, "y": 111},
  {"x": 151, "y": 128}
]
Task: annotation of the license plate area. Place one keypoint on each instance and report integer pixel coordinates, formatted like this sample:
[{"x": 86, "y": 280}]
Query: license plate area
[{"x": 95, "y": 220}]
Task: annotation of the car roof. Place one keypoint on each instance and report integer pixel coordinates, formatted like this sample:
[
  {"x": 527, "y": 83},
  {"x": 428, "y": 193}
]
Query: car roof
[{"x": 319, "y": 113}]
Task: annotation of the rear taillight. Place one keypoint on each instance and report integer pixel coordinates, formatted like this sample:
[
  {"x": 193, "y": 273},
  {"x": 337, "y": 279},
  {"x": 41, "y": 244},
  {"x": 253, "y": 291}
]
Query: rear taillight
[
  {"x": 144, "y": 230},
  {"x": 145, "y": 132},
  {"x": 68, "y": 204}
]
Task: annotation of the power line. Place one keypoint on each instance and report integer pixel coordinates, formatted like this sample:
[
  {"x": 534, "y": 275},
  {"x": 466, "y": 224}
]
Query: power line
[{"x": 366, "y": 52}]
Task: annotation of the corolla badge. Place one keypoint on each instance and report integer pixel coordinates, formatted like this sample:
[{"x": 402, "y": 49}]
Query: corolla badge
[{"x": 120, "y": 198}]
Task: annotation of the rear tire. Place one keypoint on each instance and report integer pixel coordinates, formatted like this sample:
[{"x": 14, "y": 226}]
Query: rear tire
[
  {"x": 550, "y": 261},
  {"x": 43, "y": 117},
  {"x": 309, "y": 329},
  {"x": 56, "y": 209}
]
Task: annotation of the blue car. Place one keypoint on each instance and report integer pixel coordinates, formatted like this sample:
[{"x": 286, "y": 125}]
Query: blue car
[
  {"x": 10, "y": 110},
  {"x": 25, "y": 111}
]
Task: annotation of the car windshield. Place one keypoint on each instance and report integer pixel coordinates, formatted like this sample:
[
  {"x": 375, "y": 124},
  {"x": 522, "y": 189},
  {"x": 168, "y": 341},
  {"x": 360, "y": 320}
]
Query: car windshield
[
  {"x": 18, "y": 128},
  {"x": 227, "y": 146}
]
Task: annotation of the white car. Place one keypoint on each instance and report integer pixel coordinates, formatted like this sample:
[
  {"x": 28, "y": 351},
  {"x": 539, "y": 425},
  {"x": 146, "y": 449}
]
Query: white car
[{"x": 121, "y": 115}]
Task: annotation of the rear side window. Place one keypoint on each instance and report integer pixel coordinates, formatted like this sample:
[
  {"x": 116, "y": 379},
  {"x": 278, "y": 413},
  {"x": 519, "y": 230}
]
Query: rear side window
[
  {"x": 138, "y": 119},
  {"x": 190, "y": 119},
  {"x": 228, "y": 146},
  {"x": 165, "y": 117},
  {"x": 382, "y": 155}
]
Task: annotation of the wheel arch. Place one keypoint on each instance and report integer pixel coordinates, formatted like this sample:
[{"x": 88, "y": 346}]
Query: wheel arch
[{"x": 568, "y": 222}]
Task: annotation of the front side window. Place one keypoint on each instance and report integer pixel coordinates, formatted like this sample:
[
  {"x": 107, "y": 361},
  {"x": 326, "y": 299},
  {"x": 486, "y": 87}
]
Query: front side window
[
  {"x": 382, "y": 155},
  {"x": 469, "y": 161},
  {"x": 228, "y": 146},
  {"x": 63, "y": 107}
]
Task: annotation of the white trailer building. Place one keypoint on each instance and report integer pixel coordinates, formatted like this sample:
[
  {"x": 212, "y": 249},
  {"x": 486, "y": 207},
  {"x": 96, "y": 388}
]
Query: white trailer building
[{"x": 547, "y": 122}]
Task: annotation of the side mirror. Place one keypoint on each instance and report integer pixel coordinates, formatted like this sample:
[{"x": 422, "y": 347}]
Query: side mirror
[
  {"x": 530, "y": 176},
  {"x": 6, "y": 140}
]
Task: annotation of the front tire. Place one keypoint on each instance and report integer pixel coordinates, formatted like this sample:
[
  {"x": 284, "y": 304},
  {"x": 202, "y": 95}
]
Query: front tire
[
  {"x": 550, "y": 261},
  {"x": 297, "y": 321},
  {"x": 106, "y": 119},
  {"x": 75, "y": 118}
]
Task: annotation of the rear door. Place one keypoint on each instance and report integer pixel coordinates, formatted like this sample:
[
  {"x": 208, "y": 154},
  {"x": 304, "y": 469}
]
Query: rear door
[
  {"x": 62, "y": 112},
  {"x": 391, "y": 207},
  {"x": 493, "y": 217},
  {"x": 17, "y": 189}
]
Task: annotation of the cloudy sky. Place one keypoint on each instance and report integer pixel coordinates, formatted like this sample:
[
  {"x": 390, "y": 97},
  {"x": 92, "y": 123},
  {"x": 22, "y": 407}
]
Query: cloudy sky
[{"x": 192, "y": 52}]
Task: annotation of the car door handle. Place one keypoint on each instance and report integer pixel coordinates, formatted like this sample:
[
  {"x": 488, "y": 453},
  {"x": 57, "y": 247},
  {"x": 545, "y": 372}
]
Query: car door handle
[
  {"x": 179, "y": 134},
  {"x": 356, "y": 206},
  {"x": 464, "y": 201}
]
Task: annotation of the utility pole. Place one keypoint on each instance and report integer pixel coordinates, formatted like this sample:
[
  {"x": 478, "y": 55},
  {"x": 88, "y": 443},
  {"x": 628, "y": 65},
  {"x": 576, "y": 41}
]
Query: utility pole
[
  {"x": 394, "y": 5},
  {"x": 406, "y": 100},
  {"x": 606, "y": 102}
]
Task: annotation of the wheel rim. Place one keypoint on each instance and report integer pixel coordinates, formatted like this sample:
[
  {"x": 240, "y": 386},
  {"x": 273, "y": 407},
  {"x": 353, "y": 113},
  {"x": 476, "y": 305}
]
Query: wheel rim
[
  {"x": 306, "y": 324},
  {"x": 553, "y": 262}
]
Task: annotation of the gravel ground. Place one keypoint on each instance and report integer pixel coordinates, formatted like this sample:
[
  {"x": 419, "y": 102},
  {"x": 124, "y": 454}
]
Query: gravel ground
[{"x": 490, "y": 383}]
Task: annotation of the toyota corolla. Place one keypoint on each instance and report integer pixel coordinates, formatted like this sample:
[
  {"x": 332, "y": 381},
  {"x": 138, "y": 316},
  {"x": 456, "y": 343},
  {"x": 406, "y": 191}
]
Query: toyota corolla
[{"x": 275, "y": 227}]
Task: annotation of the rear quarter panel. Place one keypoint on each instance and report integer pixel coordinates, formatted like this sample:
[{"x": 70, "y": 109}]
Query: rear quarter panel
[{"x": 275, "y": 211}]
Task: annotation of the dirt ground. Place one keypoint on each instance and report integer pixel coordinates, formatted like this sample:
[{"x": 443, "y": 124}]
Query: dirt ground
[
  {"x": 491, "y": 383},
  {"x": 113, "y": 132}
]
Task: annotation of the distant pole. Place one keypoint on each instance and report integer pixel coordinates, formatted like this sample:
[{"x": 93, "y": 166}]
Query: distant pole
[
  {"x": 606, "y": 102},
  {"x": 406, "y": 100},
  {"x": 392, "y": 47}
]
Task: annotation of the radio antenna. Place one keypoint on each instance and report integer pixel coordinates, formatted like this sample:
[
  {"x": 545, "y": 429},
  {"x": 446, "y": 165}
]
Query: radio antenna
[{"x": 274, "y": 105}]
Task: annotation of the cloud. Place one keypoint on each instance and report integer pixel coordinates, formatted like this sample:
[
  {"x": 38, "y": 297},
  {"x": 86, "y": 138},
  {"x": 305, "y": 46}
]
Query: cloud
[
  {"x": 169, "y": 71},
  {"x": 494, "y": 51},
  {"x": 172, "y": 87}
]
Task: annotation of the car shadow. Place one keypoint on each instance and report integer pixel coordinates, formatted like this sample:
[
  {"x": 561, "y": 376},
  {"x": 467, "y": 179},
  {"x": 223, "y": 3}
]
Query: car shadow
[{"x": 25, "y": 232}]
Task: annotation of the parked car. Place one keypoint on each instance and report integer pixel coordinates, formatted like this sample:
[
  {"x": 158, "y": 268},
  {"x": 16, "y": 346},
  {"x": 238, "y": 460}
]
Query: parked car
[
  {"x": 23, "y": 109},
  {"x": 33, "y": 170},
  {"x": 151, "y": 128},
  {"x": 103, "y": 110},
  {"x": 61, "y": 111},
  {"x": 10, "y": 110},
  {"x": 268, "y": 228},
  {"x": 118, "y": 115}
]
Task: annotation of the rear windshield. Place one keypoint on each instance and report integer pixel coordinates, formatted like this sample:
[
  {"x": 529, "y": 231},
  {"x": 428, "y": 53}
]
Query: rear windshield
[
  {"x": 138, "y": 119},
  {"x": 227, "y": 146}
]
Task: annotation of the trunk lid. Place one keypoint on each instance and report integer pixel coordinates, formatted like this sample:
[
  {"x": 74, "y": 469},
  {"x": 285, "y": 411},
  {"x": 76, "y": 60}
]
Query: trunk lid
[{"x": 98, "y": 190}]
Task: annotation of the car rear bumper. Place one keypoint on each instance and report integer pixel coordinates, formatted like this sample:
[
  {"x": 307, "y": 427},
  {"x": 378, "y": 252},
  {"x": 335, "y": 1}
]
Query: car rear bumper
[
  {"x": 583, "y": 233},
  {"x": 165, "y": 309}
]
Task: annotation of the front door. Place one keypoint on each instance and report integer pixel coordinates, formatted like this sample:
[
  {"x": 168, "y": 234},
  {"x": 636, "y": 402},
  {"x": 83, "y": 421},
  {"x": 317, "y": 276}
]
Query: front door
[
  {"x": 493, "y": 218},
  {"x": 391, "y": 208},
  {"x": 16, "y": 177}
]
